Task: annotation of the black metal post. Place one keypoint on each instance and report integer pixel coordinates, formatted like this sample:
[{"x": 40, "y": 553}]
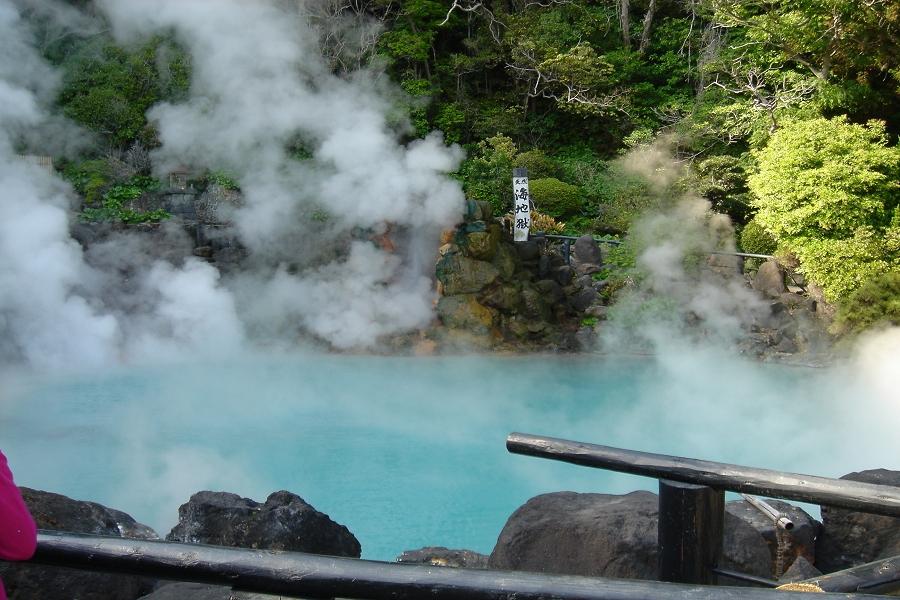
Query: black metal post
[
  {"x": 691, "y": 523},
  {"x": 866, "y": 497},
  {"x": 296, "y": 574}
]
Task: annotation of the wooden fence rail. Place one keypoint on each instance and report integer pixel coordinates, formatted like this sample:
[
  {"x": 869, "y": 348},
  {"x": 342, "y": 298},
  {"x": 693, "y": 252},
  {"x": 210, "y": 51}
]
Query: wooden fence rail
[{"x": 298, "y": 574}]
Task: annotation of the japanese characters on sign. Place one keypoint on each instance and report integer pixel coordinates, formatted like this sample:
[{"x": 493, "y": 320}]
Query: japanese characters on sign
[{"x": 521, "y": 205}]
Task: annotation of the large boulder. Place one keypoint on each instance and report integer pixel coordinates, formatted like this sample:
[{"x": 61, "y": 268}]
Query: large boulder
[
  {"x": 462, "y": 275},
  {"x": 57, "y": 512},
  {"x": 284, "y": 522},
  {"x": 582, "y": 534},
  {"x": 852, "y": 538},
  {"x": 616, "y": 536},
  {"x": 769, "y": 279},
  {"x": 587, "y": 252},
  {"x": 753, "y": 545},
  {"x": 438, "y": 556},
  {"x": 465, "y": 312}
]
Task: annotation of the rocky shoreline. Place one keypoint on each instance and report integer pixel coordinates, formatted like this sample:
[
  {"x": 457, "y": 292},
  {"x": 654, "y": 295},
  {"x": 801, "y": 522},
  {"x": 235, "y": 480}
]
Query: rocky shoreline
[{"x": 572, "y": 533}]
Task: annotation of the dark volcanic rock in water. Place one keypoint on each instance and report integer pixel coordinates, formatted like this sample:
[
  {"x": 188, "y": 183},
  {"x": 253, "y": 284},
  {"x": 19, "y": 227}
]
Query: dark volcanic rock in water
[
  {"x": 751, "y": 540},
  {"x": 439, "y": 556},
  {"x": 582, "y": 534},
  {"x": 284, "y": 522},
  {"x": 851, "y": 538},
  {"x": 57, "y": 512}
]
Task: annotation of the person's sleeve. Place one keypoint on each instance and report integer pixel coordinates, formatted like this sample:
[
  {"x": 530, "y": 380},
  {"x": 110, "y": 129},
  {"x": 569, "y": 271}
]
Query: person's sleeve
[{"x": 18, "y": 535}]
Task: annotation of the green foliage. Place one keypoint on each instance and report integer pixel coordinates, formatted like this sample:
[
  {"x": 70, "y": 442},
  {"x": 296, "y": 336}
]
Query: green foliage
[
  {"x": 723, "y": 181},
  {"x": 116, "y": 201},
  {"x": 876, "y": 303},
  {"x": 827, "y": 190},
  {"x": 555, "y": 198},
  {"x": 756, "y": 240},
  {"x": 224, "y": 179},
  {"x": 108, "y": 89},
  {"x": 589, "y": 321},
  {"x": 487, "y": 176},
  {"x": 90, "y": 178},
  {"x": 451, "y": 119},
  {"x": 538, "y": 164}
]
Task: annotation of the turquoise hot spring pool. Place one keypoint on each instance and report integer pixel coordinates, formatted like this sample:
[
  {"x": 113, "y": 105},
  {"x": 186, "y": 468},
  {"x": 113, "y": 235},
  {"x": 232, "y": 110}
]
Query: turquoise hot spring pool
[{"x": 409, "y": 452}]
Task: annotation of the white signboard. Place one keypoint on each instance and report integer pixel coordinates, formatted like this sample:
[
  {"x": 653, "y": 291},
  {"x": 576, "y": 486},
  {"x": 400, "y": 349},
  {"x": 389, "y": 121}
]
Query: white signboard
[{"x": 521, "y": 205}]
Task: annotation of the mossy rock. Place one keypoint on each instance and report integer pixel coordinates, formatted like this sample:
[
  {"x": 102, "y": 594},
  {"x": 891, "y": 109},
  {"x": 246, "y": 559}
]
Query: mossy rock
[
  {"x": 463, "y": 275},
  {"x": 483, "y": 245},
  {"x": 465, "y": 312}
]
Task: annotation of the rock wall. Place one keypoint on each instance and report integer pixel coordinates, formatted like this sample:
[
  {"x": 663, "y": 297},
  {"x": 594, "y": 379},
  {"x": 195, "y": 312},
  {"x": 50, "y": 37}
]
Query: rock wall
[{"x": 496, "y": 293}]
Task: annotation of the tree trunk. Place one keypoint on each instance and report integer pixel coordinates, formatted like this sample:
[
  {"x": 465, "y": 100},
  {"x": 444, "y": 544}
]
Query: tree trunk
[
  {"x": 625, "y": 23},
  {"x": 648, "y": 24}
]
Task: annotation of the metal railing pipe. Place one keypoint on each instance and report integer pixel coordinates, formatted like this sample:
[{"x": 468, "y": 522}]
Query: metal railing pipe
[
  {"x": 297, "y": 574},
  {"x": 855, "y": 495}
]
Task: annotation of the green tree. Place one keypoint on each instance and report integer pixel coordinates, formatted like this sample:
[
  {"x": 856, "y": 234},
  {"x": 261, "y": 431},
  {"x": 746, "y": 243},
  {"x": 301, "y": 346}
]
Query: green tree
[{"x": 827, "y": 190}]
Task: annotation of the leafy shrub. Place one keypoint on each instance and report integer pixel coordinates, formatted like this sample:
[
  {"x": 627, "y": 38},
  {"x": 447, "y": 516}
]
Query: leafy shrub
[
  {"x": 116, "y": 200},
  {"x": 487, "y": 175},
  {"x": 827, "y": 190},
  {"x": 555, "y": 198},
  {"x": 756, "y": 240},
  {"x": 538, "y": 164},
  {"x": 875, "y": 303},
  {"x": 723, "y": 181}
]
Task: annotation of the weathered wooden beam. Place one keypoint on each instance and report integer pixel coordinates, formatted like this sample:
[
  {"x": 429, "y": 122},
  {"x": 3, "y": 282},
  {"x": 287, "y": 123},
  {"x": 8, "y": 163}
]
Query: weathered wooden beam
[
  {"x": 865, "y": 497},
  {"x": 878, "y": 577},
  {"x": 296, "y": 574},
  {"x": 691, "y": 524}
]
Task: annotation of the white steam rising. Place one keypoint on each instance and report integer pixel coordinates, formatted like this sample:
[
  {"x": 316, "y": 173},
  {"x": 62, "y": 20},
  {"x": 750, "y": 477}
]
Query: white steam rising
[
  {"x": 260, "y": 90},
  {"x": 41, "y": 320},
  {"x": 686, "y": 293},
  {"x": 261, "y": 85},
  {"x": 57, "y": 311}
]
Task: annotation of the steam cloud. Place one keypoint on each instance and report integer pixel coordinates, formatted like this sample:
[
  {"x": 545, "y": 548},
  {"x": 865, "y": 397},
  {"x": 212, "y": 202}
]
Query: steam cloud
[
  {"x": 686, "y": 295},
  {"x": 260, "y": 86}
]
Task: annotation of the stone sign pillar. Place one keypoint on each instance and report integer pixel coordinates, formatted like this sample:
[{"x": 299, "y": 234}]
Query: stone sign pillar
[{"x": 521, "y": 205}]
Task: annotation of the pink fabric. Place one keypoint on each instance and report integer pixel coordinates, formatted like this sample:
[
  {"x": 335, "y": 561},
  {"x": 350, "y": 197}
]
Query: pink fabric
[{"x": 18, "y": 535}]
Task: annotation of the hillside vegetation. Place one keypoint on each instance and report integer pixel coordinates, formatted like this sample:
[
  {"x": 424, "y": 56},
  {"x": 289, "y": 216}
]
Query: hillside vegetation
[{"x": 786, "y": 113}]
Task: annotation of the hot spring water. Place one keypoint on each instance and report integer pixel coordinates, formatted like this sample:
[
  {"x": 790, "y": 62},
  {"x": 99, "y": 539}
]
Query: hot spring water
[{"x": 410, "y": 452}]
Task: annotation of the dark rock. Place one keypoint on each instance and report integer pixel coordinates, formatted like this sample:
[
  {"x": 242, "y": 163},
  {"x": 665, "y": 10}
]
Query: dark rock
[
  {"x": 543, "y": 266},
  {"x": 507, "y": 297},
  {"x": 533, "y": 305},
  {"x": 751, "y": 540},
  {"x": 505, "y": 261},
  {"x": 587, "y": 250},
  {"x": 57, "y": 512},
  {"x": 851, "y": 538},
  {"x": 439, "y": 556},
  {"x": 786, "y": 345},
  {"x": 583, "y": 299},
  {"x": 529, "y": 250},
  {"x": 462, "y": 275},
  {"x": 793, "y": 301},
  {"x": 801, "y": 569},
  {"x": 582, "y": 534},
  {"x": 463, "y": 311},
  {"x": 284, "y": 522},
  {"x": 769, "y": 279},
  {"x": 587, "y": 268},
  {"x": 563, "y": 275},
  {"x": 551, "y": 291}
]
